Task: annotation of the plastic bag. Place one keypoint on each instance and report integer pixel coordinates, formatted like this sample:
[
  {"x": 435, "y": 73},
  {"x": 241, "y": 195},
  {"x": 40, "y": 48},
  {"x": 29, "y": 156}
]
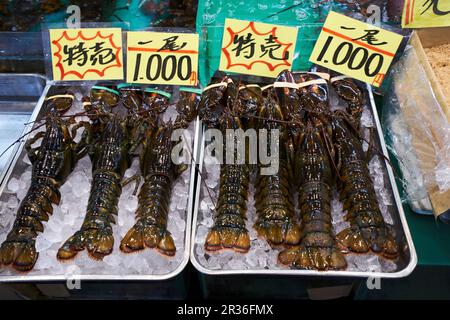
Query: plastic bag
[{"x": 417, "y": 131}]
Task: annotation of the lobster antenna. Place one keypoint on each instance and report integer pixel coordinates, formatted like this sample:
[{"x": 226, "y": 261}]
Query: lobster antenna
[
  {"x": 355, "y": 130},
  {"x": 20, "y": 138},
  {"x": 329, "y": 150},
  {"x": 197, "y": 169},
  {"x": 79, "y": 114},
  {"x": 40, "y": 125},
  {"x": 134, "y": 101},
  {"x": 196, "y": 165},
  {"x": 268, "y": 119},
  {"x": 25, "y": 134}
]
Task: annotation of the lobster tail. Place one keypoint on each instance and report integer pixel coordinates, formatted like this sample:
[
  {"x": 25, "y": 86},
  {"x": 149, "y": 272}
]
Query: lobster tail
[
  {"x": 98, "y": 242},
  {"x": 19, "y": 246},
  {"x": 361, "y": 239},
  {"x": 150, "y": 229},
  {"x": 20, "y": 252},
  {"x": 229, "y": 228},
  {"x": 151, "y": 236},
  {"x": 313, "y": 258},
  {"x": 275, "y": 208},
  {"x": 96, "y": 233},
  {"x": 228, "y": 237}
]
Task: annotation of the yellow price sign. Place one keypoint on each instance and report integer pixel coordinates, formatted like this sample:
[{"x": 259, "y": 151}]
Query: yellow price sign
[
  {"x": 86, "y": 54},
  {"x": 426, "y": 13},
  {"x": 257, "y": 48},
  {"x": 162, "y": 58},
  {"x": 354, "y": 48}
]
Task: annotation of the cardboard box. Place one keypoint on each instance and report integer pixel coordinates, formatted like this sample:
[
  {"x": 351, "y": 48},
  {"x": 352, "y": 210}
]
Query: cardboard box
[{"x": 427, "y": 38}]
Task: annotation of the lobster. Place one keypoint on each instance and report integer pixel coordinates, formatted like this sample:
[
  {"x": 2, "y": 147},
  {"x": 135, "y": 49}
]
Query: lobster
[
  {"x": 159, "y": 173},
  {"x": 368, "y": 231},
  {"x": 53, "y": 160},
  {"x": 109, "y": 142},
  {"x": 229, "y": 231},
  {"x": 274, "y": 202},
  {"x": 317, "y": 248},
  {"x": 154, "y": 197}
]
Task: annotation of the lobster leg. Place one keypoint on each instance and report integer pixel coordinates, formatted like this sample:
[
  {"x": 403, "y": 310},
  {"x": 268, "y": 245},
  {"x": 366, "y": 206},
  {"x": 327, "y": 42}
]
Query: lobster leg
[
  {"x": 82, "y": 124},
  {"x": 30, "y": 150},
  {"x": 81, "y": 147},
  {"x": 136, "y": 178}
]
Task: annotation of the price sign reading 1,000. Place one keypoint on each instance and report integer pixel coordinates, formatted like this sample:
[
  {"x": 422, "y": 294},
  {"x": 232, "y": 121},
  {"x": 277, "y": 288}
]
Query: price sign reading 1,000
[
  {"x": 354, "y": 58},
  {"x": 355, "y": 49},
  {"x": 162, "y": 58},
  {"x": 155, "y": 66}
]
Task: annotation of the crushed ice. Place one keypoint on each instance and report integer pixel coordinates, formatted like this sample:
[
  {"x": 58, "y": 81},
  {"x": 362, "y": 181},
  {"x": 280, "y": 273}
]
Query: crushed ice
[
  {"x": 68, "y": 217},
  {"x": 261, "y": 255}
]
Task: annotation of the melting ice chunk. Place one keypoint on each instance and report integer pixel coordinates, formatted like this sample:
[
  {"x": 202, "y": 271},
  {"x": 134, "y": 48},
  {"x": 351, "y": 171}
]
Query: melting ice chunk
[
  {"x": 42, "y": 243},
  {"x": 13, "y": 185},
  {"x": 201, "y": 234},
  {"x": 12, "y": 202}
]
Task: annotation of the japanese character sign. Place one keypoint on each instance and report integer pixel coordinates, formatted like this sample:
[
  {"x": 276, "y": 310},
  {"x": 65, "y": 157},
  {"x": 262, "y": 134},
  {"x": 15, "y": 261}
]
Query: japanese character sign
[
  {"x": 257, "y": 48},
  {"x": 162, "y": 58},
  {"x": 86, "y": 54},
  {"x": 426, "y": 13},
  {"x": 354, "y": 48}
]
